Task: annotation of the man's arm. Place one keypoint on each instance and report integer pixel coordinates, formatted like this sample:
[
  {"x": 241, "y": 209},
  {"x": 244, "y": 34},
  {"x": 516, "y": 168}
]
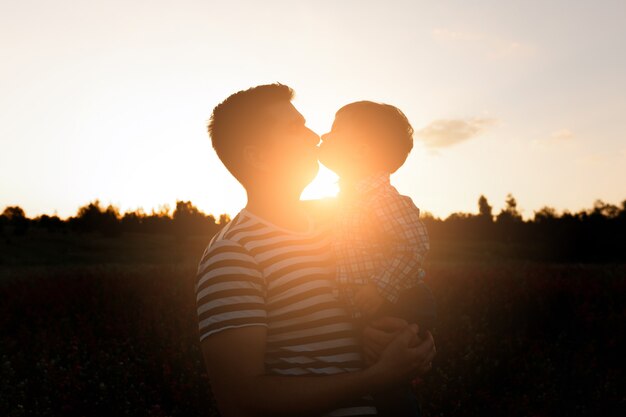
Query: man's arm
[{"x": 235, "y": 364}]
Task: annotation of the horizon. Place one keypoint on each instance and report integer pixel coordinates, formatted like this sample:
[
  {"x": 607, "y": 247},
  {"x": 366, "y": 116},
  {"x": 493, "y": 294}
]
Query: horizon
[
  {"x": 110, "y": 101},
  {"x": 169, "y": 210}
]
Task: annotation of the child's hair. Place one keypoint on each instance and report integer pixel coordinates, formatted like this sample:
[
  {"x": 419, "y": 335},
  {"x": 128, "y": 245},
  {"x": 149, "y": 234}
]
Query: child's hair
[{"x": 388, "y": 130}]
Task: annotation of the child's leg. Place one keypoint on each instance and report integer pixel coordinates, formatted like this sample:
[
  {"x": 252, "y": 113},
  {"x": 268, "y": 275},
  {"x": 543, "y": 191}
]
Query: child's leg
[{"x": 415, "y": 305}]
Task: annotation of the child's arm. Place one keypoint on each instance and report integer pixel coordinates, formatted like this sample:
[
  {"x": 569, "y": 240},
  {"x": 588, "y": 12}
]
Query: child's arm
[{"x": 407, "y": 238}]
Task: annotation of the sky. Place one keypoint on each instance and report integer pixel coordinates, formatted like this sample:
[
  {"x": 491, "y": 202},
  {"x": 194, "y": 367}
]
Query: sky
[{"x": 110, "y": 100}]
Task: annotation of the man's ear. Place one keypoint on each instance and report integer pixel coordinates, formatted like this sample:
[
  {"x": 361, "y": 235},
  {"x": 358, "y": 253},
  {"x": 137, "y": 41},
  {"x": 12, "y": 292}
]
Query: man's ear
[{"x": 254, "y": 157}]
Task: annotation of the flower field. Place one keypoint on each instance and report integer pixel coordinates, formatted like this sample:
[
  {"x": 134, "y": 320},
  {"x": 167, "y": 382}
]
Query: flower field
[{"x": 514, "y": 338}]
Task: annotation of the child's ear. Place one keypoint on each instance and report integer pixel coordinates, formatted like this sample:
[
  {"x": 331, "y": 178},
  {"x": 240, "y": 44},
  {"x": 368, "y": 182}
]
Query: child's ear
[{"x": 254, "y": 157}]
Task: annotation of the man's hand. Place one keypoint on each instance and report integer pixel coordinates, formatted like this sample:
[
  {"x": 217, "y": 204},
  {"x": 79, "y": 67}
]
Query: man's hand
[
  {"x": 395, "y": 364},
  {"x": 423, "y": 352},
  {"x": 368, "y": 300},
  {"x": 378, "y": 334}
]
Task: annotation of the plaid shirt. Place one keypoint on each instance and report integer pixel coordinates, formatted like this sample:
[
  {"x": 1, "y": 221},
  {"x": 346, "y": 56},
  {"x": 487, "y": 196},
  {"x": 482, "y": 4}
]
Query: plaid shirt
[{"x": 378, "y": 239}]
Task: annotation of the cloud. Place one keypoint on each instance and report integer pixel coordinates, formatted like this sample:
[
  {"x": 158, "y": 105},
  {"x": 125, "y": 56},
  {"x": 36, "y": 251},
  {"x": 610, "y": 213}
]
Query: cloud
[
  {"x": 448, "y": 132},
  {"x": 557, "y": 138},
  {"x": 491, "y": 46},
  {"x": 563, "y": 134}
]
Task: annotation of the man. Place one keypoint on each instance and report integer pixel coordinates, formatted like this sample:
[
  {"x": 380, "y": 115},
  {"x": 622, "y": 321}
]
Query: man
[{"x": 275, "y": 339}]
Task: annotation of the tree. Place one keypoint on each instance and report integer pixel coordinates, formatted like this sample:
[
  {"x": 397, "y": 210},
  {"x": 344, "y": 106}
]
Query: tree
[
  {"x": 14, "y": 212},
  {"x": 545, "y": 214},
  {"x": 16, "y": 218},
  {"x": 484, "y": 209},
  {"x": 188, "y": 220},
  {"x": 133, "y": 220},
  {"x": 509, "y": 221},
  {"x": 51, "y": 224},
  {"x": 509, "y": 213},
  {"x": 602, "y": 209},
  {"x": 93, "y": 217}
]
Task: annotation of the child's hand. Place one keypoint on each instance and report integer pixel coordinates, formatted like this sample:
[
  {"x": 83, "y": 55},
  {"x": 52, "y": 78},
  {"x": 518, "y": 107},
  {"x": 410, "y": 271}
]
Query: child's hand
[{"x": 368, "y": 300}]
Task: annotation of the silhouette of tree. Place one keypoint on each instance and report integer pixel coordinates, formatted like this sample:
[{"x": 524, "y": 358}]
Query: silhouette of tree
[
  {"x": 509, "y": 221},
  {"x": 159, "y": 221},
  {"x": 50, "y": 223},
  {"x": 16, "y": 218},
  {"x": 93, "y": 217},
  {"x": 602, "y": 209},
  {"x": 509, "y": 212},
  {"x": 597, "y": 234},
  {"x": 545, "y": 214},
  {"x": 483, "y": 223},
  {"x": 188, "y": 220},
  {"x": 133, "y": 221},
  {"x": 457, "y": 226},
  {"x": 484, "y": 209},
  {"x": 14, "y": 212}
]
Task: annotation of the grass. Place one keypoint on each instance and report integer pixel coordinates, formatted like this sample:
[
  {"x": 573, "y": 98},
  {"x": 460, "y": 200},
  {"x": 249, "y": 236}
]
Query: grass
[{"x": 111, "y": 328}]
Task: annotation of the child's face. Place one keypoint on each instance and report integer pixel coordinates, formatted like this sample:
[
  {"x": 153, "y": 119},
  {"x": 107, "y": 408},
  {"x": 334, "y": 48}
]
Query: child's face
[{"x": 344, "y": 149}]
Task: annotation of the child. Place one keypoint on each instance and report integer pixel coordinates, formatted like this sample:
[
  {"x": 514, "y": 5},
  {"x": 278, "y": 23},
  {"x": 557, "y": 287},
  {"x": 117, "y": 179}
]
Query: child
[{"x": 379, "y": 241}]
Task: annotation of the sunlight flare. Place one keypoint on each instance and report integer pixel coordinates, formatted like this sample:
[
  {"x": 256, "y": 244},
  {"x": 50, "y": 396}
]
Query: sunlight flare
[{"x": 324, "y": 185}]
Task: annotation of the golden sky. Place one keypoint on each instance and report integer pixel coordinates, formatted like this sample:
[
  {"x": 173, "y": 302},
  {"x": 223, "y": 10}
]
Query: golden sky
[{"x": 110, "y": 100}]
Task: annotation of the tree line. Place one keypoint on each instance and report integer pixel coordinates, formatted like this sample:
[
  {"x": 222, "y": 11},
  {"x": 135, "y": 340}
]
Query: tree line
[
  {"x": 185, "y": 220},
  {"x": 595, "y": 234}
]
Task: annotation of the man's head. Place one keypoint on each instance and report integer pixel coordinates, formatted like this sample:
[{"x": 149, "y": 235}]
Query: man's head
[
  {"x": 367, "y": 138},
  {"x": 261, "y": 137}
]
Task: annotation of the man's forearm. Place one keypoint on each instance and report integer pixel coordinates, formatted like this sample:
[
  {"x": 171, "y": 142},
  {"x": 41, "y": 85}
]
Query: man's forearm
[
  {"x": 241, "y": 387},
  {"x": 275, "y": 395}
]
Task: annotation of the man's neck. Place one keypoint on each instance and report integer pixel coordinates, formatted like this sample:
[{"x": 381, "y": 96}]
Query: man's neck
[{"x": 283, "y": 209}]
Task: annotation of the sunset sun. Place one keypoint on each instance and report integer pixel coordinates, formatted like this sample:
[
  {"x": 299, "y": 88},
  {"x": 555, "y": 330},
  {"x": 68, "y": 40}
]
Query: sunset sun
[{"x": 324, "y": 185}]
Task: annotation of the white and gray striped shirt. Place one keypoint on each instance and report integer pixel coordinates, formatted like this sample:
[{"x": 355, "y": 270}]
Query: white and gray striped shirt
[{"x": 254, "y": 273}]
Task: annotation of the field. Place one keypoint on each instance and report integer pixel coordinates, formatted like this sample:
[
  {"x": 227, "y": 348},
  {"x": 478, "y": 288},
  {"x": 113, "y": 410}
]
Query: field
[{"x": 116, "y": 334}]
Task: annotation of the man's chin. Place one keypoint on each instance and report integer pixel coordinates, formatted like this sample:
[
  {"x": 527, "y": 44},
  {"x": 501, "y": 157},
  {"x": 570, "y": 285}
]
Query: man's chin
[
  {"x": 313, "y": 173},
  {"x": 300, "y": 177}
]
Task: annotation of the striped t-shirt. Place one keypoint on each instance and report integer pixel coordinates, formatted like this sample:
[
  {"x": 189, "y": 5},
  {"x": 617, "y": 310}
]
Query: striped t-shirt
[{"x": 254, "y": 273}]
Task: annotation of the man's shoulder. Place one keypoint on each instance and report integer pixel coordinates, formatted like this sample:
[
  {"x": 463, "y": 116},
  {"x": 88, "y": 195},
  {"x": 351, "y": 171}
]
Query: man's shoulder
[
  {"x": 225, "y": 244},
  {"x": 227, "y": 263}
]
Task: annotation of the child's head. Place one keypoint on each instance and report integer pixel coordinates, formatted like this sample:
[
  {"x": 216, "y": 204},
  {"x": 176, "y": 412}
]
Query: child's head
[{"x": 367, "y": 138}]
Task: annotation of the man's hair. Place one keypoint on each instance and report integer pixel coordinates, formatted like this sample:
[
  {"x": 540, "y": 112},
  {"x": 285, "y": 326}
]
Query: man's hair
[
  {"x": 388, "y": 130},
  {"x": 241, "y": 119}
]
